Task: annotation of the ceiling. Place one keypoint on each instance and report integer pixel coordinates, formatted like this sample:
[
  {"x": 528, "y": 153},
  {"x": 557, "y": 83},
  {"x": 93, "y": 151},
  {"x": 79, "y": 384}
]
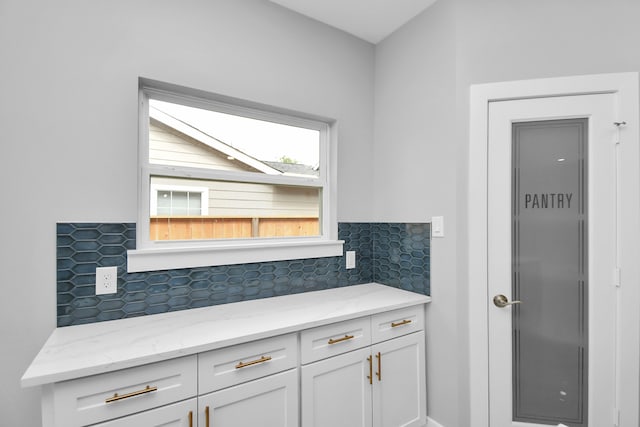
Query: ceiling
[{"x": 370, "y": 20}]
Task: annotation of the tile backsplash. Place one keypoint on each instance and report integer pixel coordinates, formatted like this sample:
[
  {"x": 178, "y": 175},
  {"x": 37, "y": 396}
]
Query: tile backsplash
[{"x": 395, "y": 254}]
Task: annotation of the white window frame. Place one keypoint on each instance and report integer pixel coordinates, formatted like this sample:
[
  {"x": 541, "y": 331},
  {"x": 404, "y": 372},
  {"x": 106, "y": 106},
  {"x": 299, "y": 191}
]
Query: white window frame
[
  {"x": 153, "y": 255},
  {"x": 204, "y": 196}
]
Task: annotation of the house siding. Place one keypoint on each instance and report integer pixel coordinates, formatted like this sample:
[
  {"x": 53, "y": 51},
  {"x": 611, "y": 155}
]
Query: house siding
[{"x": 168, "y": 147}]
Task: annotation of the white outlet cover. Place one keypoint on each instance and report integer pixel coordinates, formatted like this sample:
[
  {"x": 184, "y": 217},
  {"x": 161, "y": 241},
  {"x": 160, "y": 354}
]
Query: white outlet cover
[
  {"x": 106, "y": 280},
  {"x": 350, "y": 261}
]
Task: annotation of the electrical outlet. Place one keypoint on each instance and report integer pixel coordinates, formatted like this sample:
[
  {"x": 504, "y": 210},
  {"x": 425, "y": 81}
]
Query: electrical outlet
[
  {"x": 106, "y": 280},
  {"x": 350, "y": 261}
]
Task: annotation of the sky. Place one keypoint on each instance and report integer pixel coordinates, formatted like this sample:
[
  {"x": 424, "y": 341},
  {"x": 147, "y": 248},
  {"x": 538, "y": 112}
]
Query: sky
[{"x": 259, "y": 139}]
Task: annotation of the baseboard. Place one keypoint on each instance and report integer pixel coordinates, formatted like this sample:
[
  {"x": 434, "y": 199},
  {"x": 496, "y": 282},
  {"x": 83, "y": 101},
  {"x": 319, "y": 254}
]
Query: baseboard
[{"x": 432, "y": 423}]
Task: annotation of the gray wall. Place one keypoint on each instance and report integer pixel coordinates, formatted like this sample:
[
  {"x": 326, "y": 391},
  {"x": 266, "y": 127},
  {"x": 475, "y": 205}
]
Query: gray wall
[
  {"x": 420, "y": 71},
  {"x": 503, "y": 40},
  {"x": 416, "y": 178},
  {"x": 68, "y": 111},
  {"x": 71, "y": 67}
]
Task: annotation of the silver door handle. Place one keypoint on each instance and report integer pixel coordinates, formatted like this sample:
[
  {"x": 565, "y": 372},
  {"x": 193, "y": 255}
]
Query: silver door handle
[{"x": 502, "y": 301}]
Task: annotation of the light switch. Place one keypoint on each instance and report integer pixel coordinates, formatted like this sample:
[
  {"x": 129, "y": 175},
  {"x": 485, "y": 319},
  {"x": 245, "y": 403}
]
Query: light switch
[{"x": 437, "y": 226}]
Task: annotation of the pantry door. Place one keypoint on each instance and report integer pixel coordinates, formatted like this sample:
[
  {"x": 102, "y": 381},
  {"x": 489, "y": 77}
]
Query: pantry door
[{"x": 552, "y": 257}]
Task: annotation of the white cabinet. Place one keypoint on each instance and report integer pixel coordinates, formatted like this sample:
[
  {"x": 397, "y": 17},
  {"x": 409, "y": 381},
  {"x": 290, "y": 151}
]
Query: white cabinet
[
  {"x": 336, "y": 391},
  {"x": 244, "y": 385},
  {"x": 342, "y": 357},
  {"x": 98, "y": 398},
  {"x": 335, "y": 338},
  {"x": 182, "y": 414},
  {"x": 266, "y": 402},
  {"x": 225, "y": 367},
  {"x": 399, "y": 386},
  {"x": 381, "y": 385}
]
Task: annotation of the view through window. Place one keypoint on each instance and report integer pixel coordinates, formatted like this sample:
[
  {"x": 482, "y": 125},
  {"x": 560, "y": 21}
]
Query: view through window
[{"x": 221, "y": 175}]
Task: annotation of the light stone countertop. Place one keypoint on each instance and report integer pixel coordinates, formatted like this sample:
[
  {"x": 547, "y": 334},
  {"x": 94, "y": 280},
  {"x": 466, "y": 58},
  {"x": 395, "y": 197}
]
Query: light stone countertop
[{"x": 77, "y": 351}]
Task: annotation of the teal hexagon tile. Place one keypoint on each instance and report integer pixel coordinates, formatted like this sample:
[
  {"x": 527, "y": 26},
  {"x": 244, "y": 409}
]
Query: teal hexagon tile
[{"x": 384, "y": 253}]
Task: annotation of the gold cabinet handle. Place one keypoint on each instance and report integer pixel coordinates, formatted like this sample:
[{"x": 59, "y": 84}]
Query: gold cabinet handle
[
  {"x": 117, "y": 396},
  {"x": 206, "y": 416},
  {"x": 379, "y": 373},
  {"x": 404, "y": 322},
  {"x": 253, "y": 362},
  {"x": 190, "y": 418},
  {"x": 370, "y": 376},
  {"x": 345, "y": 338}
]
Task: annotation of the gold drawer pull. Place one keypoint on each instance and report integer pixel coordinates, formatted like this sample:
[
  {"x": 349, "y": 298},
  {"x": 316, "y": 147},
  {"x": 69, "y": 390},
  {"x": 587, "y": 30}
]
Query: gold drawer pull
[
  {"x": 346, "y": 337},
  {"x": 253, "y": 362},
  {"x": 117, "y": 396},
  {"x": 379, "y": 373},
  {"x": 190, "y": 418},
  {"x": 370, "y": 376},
  {"x": 206, "y": 413},
  {"x": 404, "y": 322}
]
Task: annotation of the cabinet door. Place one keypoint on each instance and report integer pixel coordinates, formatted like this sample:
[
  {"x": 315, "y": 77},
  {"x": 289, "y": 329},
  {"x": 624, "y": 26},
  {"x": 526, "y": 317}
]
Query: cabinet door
[
  {"x": 182, "y": 414},
  {"x": 267, "y": 402},
  {"x": 336, "y": 391},
  {"x": 399, "y": 391}
]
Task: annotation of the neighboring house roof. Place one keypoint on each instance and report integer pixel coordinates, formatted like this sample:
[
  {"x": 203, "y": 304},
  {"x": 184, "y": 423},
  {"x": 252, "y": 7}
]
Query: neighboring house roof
[
  {"x": 214, "y": 143},
  {"x": 294, "y": 168}
]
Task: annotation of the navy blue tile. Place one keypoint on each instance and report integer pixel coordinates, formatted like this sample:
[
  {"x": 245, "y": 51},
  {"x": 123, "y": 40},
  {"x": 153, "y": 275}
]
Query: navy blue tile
[
  {"x": 110, "y": 250},
  {"x": 85, "y": 234},
  {"x": 85, "y": 245},
  {"x": 64, "y": 228},
  {"x": 112, "y": 228},
  {"x": 64, "y": 299},
  {"x": 198, "y": 274},
  {"x": 110, "y": 315},
  {"x": 394, "y": 254},
  {"x": 63, "y": 285},
  {"x": 112, "y": 304},
  {"x": 156, "y": 299},
  {"x": 134, "y": 307},
  {"x": 179, "y": 281}
]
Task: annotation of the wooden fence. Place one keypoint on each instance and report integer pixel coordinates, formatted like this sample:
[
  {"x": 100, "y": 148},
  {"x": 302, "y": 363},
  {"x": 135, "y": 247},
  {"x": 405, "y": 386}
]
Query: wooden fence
[{"x": 189, "y": 228}]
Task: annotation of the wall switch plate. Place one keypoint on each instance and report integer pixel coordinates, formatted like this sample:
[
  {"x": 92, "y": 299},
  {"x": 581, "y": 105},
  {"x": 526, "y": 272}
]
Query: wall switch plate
[
  {"x": 350, "y": 259},
  {"x": 106, "y": 280},
  {"x": 437, "y": 226}
]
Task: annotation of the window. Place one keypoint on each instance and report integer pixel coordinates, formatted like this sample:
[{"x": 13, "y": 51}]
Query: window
[
  {"x": 225, "y": 181},
  {"x": 173, "y": 200}
]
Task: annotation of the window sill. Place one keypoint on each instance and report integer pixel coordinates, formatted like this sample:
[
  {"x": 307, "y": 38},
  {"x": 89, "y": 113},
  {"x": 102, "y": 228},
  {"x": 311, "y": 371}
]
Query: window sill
[{"x": 153, "y": 259}]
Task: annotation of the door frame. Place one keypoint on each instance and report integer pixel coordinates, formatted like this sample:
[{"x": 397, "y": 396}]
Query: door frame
[{"x": 627, "y": 89}]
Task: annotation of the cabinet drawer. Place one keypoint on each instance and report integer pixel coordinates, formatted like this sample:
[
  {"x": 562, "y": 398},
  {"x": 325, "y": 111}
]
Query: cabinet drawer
[
  {"x": 181, "y": 414},
  {"x": 244, "y": 362},
  {"x": 391, "y": 324},
  {"x": 337, "y": 338},
  {"x": 93, "y": 399}
]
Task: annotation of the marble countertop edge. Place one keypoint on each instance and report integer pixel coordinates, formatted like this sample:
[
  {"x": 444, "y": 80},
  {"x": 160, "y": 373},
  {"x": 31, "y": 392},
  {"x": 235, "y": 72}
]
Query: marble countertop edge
[{"x": 77, "y": 351}]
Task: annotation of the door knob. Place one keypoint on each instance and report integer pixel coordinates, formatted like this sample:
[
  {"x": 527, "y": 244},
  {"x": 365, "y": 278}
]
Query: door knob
[{"x": 502, "y": 301}]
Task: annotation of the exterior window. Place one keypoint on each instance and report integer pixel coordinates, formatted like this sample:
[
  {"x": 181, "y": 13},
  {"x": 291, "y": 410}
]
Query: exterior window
[
  {"x": 171, "y": 201},
  {"x": 220, "y": 173}
]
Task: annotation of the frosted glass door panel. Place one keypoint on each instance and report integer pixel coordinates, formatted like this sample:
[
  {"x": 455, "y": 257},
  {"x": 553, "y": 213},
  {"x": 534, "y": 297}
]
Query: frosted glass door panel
[{"x": 550, "y": 272}]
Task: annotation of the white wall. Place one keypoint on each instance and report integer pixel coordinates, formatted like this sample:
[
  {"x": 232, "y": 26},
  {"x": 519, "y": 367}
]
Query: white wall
[{"x": 68, "y": 114}]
